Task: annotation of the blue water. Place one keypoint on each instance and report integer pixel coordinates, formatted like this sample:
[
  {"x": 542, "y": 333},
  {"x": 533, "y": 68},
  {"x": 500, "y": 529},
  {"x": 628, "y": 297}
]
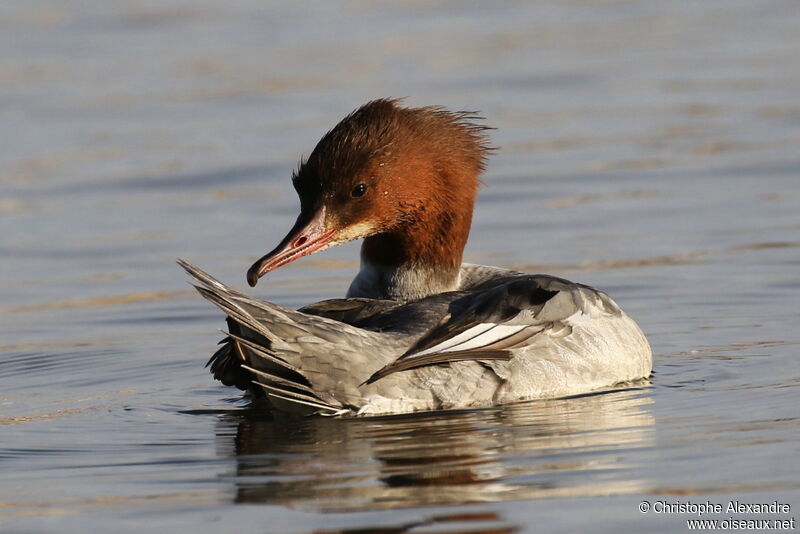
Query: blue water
[{"x": 649, "y": 149}]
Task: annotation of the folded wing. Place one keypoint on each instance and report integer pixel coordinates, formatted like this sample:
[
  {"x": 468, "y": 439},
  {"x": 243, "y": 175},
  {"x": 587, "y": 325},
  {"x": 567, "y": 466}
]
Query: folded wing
[{"x": 490, "y": 324}]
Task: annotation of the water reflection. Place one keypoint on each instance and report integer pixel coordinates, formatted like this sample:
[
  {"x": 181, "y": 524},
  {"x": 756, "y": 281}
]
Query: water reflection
[
  {"x": 488, "y": 522},
  {"x": 565, "y": 447}
]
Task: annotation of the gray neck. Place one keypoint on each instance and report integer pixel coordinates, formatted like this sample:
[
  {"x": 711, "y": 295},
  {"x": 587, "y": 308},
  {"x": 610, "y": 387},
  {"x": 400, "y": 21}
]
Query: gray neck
[{"x": 402, "y": 282}]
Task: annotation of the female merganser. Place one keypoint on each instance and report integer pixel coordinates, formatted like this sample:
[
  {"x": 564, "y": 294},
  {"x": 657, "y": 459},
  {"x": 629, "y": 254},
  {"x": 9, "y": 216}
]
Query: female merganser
[{"x": 418, "y": 330}]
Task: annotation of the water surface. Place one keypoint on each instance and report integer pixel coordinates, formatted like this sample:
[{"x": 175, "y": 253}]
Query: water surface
[{"x": 649, "y": 149}]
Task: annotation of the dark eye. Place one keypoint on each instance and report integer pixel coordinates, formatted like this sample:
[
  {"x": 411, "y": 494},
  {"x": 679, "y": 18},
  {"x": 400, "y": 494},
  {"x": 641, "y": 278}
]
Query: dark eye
[{"x": 358, "y": 190}]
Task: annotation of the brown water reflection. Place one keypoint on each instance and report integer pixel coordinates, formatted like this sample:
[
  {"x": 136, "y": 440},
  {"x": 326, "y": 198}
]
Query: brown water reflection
[{"x": 565, "y": 447}]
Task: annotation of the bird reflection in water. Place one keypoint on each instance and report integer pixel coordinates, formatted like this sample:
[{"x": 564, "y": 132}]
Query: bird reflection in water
[
  {"x": 495, "y": 526},
  {"x": 541, "y": 449}
]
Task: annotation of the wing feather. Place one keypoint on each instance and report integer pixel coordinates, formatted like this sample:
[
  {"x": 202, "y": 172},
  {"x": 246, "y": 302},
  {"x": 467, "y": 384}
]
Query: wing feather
[{"x": 486, "y": 325}]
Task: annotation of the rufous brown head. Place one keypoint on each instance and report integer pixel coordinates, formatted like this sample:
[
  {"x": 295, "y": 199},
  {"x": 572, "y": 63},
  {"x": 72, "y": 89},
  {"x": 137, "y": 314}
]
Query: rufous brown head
[{"x": 385, "y": 169}]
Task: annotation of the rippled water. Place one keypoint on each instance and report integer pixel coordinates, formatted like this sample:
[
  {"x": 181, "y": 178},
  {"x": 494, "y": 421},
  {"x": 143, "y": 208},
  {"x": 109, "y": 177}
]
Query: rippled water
[{"x": 651, "y": 149}]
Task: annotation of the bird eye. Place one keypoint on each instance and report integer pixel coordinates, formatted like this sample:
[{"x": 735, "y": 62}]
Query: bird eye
[{"x": 358, "y": 190}]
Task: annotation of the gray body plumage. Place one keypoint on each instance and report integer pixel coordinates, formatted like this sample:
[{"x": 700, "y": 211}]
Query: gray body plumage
[{"x": 502, "y": 337}]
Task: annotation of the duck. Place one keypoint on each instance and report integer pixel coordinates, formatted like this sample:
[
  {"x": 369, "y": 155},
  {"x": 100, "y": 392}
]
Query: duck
[{"x": 418, "y": 329}]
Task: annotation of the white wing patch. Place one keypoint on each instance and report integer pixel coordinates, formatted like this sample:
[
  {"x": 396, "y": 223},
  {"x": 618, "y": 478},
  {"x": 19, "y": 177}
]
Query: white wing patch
[{"x": 476, "y": 337}]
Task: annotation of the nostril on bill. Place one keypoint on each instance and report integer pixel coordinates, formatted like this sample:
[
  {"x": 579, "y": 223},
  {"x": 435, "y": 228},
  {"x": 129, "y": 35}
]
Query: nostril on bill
[{"x": 300, "y": 241}]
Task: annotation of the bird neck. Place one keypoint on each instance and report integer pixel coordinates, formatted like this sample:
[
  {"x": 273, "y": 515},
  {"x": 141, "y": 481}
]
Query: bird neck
[{"x": 418, "y": 259}]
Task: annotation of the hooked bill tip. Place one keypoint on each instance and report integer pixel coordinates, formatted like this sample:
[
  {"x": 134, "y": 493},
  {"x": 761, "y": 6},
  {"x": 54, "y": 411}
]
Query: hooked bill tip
[{"x": 252, "y": 276}]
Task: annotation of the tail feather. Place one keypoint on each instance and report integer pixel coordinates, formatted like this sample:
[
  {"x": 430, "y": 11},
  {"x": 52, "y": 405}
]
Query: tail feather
[
  {"x": 233, "y": 302},
  {"x": 279, "y": 380},
  {"x": 292, "y": 394},
  {"x": 269, "y": 320},
  {"x": 259, "y": 350},
  {"x": 330, "y": 410},
  {"x": 266, "y": 346},
  {"x": 225, "y": 365},
  {"x": 201, "y": 276},
  {"x": 236, "y": 313},
  {"x": 290, "y": 390}
]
